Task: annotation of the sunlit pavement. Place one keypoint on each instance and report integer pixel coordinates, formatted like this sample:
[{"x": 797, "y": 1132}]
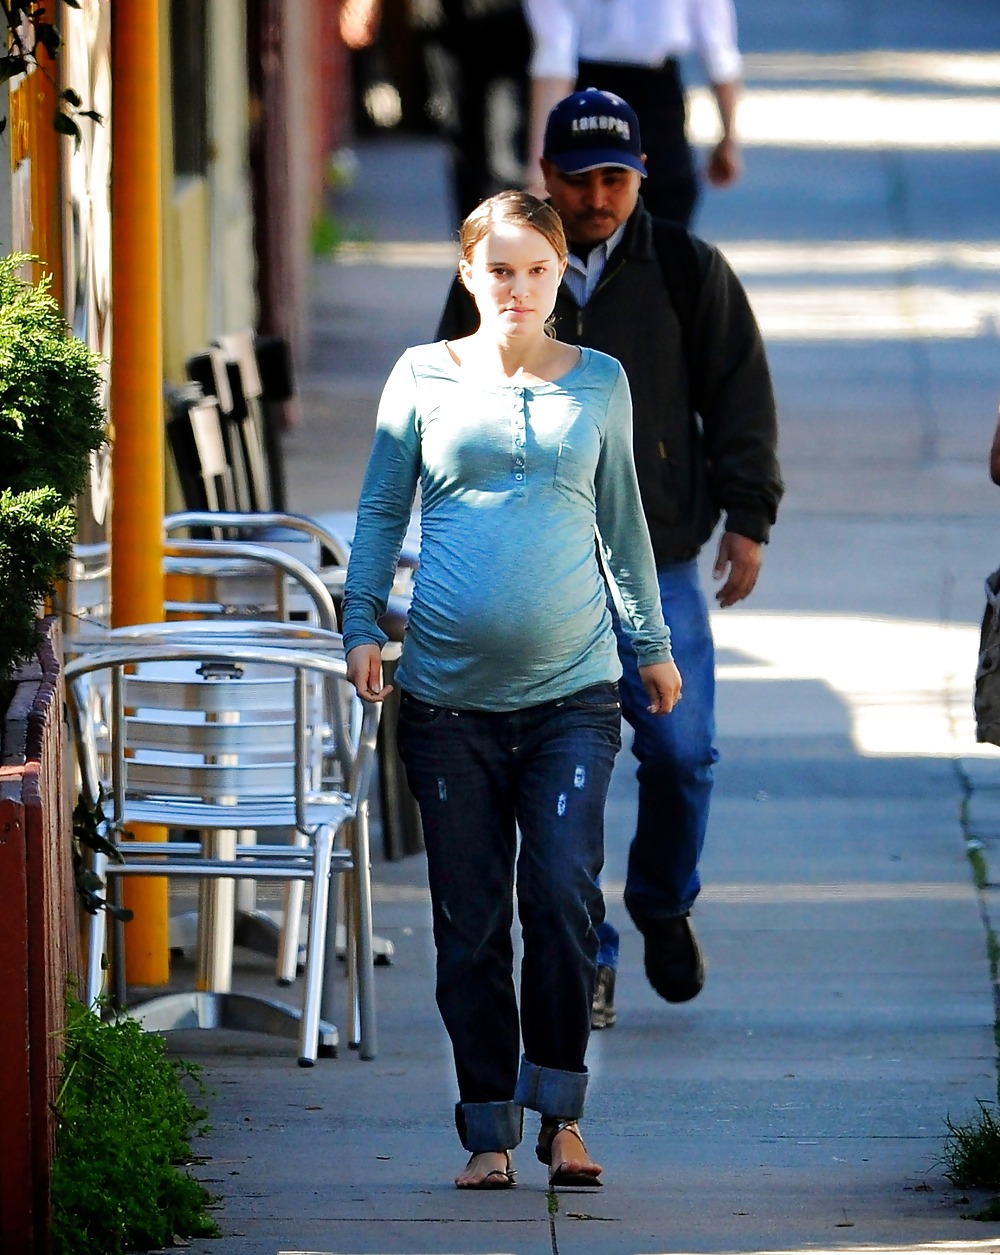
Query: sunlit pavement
[{"x": 798, "y": 1104}]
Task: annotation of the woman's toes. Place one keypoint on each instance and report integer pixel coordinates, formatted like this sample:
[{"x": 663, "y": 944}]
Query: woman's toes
[
  {"x": 480, "y": 1167},
  {"x": 570, "y": 1155}
]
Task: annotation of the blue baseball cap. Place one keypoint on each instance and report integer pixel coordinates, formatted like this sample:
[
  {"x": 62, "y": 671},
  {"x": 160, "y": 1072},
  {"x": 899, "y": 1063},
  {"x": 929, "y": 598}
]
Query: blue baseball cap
[{"x": 590, "y": 129}]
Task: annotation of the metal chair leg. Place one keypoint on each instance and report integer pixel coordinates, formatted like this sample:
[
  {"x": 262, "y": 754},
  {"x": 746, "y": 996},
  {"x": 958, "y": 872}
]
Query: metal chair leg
[
  {"x": 368, "y": 1038},
  {"x": 319, "y": 911},
  {"x": 216, "y": 916},
  {"x": 246, "y": 890},
  {"x": 288, "y": 936},
  {"x": 337, "y": 922},
  {"x": 355, "y": 1030}
]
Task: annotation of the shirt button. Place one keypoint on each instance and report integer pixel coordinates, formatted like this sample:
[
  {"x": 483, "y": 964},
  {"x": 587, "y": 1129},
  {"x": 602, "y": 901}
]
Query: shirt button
[{"x": 519, "y": 476}]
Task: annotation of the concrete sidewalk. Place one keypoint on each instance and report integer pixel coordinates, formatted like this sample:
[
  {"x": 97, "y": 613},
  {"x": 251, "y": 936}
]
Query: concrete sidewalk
[{"x": 799, "y": 1102}]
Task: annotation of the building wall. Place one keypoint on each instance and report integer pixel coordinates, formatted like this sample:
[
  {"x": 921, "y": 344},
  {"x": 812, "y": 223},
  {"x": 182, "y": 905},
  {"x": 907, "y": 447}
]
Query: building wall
[
  {"x": 236, "y": 234},
  {"x": 184, "y": 201},
  {"x": 85, "y": 60},
  {"x": 5, "y": 224},
  {"x": 35, "y": 163},
  {"x": 209, "y": 279},
  {"x": 297, "y": 76},
  {"x": 233, "y": 298},
  {"x": 187, "y": 272}
]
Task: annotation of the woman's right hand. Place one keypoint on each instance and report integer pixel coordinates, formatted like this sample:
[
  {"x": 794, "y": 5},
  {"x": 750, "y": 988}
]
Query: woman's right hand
[
  {"x": 364, "y": 670},
  {"x": 662, "y": 682}
]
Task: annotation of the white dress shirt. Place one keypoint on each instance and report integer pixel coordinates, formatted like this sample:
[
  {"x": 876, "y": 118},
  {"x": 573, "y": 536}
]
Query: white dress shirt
[
  {"x": 634, "y": 32},
  {"x": 583, "y": 276}
]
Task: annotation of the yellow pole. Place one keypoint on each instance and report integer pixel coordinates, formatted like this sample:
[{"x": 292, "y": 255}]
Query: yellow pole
[{"x": 136, "y": 397}]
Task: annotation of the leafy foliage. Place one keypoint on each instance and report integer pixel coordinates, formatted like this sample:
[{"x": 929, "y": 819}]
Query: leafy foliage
[
  {"x": 88, "y": 830},
  {"x": 29, "y": 31},
  {"x": 125, "y": 1122},
  {"x": 36, "y": 535},
  {"x": 51, "y": 415},
  {"x": 51, "y": 419}
]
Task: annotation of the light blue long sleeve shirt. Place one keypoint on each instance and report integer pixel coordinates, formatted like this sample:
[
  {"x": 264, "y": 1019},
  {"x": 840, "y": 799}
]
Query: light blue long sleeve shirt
[{"x": 518, "y": 486}]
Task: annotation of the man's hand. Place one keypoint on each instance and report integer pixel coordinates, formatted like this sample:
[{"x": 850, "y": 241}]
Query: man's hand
[
  {"x": 739, "y": 561},
  {"x": 724, "y": 164},
  {"x": 364, "y": 670},
  {"x": 662, "y": 682},
  {"x": 359, "y": 22}
]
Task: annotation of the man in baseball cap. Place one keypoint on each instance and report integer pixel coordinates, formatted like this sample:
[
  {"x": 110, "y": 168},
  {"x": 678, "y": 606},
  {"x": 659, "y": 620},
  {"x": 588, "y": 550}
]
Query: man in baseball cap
[
  {"x": 593, "y": 128},
  {"x": 670, "y": 308},
  {"x": 593, "y": 166}
]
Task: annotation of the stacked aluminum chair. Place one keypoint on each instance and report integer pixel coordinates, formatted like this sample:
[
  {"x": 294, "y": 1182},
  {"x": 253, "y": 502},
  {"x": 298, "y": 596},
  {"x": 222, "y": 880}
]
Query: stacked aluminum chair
[{"x": 219, "y": 728}]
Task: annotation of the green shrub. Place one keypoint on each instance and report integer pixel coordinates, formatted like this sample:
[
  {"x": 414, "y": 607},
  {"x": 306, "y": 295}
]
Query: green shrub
[
  {"x": 51, "y": 419},
  {"x": 124, "y": 1124},
  {"x": 51, "y": 386},
  {"x": 36, "y": 539}
]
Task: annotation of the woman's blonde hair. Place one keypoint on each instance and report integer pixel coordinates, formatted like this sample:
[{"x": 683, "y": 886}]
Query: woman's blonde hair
[{"x": 519, "y": 208}]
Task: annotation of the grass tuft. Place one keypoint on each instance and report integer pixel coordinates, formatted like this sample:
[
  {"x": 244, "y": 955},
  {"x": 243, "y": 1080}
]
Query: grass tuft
[{"x": 971, "y": 1154}]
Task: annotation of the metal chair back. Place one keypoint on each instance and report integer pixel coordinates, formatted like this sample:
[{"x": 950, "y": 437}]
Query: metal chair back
[
  {"x": 217, "y": 731},
  {"x": 245, "y": 580},
  {"x": 85, "y": 594}
]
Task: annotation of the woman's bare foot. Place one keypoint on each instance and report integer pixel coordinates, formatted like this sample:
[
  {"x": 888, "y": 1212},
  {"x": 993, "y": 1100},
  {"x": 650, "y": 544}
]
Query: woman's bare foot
[
  {"x": 570, "y": 1161},
  {"x": 487, "y": 1170}
]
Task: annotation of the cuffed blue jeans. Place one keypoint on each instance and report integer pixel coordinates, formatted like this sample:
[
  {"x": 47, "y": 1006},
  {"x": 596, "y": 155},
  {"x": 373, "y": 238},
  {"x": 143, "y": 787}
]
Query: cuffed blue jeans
[
  {"x": 478, "y": 777},
  {"x": 676, "y": 754}
]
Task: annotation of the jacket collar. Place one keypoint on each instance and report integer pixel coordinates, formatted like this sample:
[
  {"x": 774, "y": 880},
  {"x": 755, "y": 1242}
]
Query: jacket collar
[
  {"x": 637, "y": 242},
  {"x": 638, "y": 238}
]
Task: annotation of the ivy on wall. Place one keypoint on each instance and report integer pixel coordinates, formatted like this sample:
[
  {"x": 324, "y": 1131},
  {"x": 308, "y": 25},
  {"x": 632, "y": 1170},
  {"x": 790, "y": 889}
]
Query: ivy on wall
[{"x": 33, "y": 42}]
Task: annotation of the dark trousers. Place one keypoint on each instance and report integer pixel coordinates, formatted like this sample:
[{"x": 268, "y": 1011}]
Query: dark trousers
[
  {"x": 478, "y": 777},
  {"x": 670, "y": 189}
]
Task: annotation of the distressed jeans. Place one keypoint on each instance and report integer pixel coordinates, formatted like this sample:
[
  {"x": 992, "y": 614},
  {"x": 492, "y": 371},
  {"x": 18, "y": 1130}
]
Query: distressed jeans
[
  {"x": 676, "y": 756},
  {"x": 478, "y": 777}
]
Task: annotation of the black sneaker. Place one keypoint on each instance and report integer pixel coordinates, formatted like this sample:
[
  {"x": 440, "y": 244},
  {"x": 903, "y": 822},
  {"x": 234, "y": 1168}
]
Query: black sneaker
[
  {"x": 675, "y": 966},
  {"x": 602, "y": 1012}
]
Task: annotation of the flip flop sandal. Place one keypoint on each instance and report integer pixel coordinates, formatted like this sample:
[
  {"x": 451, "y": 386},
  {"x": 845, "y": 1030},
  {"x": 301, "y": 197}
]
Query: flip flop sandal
[
  {"x": 560, "y": 1175},
  {"x": 496, "y": 1179}
]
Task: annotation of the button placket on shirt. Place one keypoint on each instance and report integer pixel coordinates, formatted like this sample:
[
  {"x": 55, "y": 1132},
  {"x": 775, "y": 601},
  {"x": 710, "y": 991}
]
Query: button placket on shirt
[{"x": 519, "y": 427}]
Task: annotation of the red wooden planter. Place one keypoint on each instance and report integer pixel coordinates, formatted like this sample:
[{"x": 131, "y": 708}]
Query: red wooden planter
[{"x": 39, "y": 940}]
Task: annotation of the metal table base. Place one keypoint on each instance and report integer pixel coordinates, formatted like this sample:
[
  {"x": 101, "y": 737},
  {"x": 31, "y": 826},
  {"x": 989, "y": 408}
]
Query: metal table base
[
  {"x": 244, "y": 1013},
  {"x": 260, "y": 931}
]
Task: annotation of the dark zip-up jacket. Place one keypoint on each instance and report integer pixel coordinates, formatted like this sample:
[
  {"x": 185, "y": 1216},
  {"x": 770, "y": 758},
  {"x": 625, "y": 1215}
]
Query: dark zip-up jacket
[{"x": 704, "y": 422}]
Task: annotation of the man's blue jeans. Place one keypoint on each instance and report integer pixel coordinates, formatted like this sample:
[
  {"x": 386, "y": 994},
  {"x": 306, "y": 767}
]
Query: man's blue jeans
[
  {"x": 478, "y": 776},
  {"x": 676, "y": 755}
]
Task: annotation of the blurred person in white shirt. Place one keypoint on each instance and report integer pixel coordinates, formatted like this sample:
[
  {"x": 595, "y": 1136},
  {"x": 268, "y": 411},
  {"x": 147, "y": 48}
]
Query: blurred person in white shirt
[{"x": 633, "y": 49}]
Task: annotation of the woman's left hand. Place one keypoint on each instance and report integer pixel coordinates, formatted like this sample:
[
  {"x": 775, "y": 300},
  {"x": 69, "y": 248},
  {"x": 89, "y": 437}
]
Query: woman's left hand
[{"x": 662, "y": 682}]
